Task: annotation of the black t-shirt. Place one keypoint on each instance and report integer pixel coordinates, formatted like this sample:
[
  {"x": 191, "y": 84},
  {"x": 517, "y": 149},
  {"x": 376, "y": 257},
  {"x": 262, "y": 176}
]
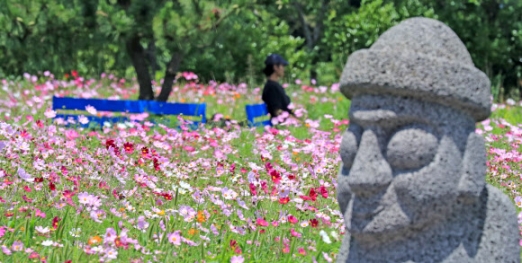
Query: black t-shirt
[{"x": 275, "y": 98}]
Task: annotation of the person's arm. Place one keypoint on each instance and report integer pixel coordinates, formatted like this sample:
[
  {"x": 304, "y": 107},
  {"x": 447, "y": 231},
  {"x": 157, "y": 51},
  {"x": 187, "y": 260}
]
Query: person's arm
[{"x": 273, "y": 101}]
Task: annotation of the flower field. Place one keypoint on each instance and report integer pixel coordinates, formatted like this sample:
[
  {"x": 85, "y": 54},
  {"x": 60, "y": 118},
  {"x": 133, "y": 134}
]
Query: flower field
[{"x": 151, "y": 193}]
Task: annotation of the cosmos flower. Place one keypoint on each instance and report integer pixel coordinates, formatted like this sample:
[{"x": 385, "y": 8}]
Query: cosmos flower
[
  {"x": 237, "y": 259},
  {"x": 47, "y": 243},
  {"x": 325, "y": 237},
  {"x": 187, "y": 213},
  {"x": 292, "y": 219},
  {"x": 42, "y": 230},
  {"x": 154, "y": 177},
  {"x": 49, "y": 113},
  {"x": 84, "y": 198},
  {"x": 110, "y": 253},
  {"x": 175, "y": 238},
  {"x": 91, "y": 110},
  {"x": 295, "y": 233},
  {"x": 75, "y": 232},
  {"x": 24, "y": 175},
  {"x": 142, "y": 224},
  {"x": 261, "y": 222},
  {"x": 17, "y": 246}
]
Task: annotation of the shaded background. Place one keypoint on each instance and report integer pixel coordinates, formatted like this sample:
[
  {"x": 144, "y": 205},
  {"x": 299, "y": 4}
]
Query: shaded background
[{"x": 227, "y": 40}]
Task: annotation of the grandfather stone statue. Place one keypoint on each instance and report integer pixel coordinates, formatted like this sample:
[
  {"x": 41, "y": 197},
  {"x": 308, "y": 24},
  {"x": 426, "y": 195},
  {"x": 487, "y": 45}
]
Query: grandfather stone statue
[{"x": 412, "y": 185}]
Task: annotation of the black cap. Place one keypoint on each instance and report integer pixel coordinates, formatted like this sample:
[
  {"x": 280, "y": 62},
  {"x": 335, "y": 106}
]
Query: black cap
[{"x": 275, "y": 59}]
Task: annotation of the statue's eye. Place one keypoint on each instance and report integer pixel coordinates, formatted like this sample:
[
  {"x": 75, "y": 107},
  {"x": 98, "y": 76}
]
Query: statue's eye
[
  {"x": 349, "y": 145},
  {"x": 411, "y": 148}
]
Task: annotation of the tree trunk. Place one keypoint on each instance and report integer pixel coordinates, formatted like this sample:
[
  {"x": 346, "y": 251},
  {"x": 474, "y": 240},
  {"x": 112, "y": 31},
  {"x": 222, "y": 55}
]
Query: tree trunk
[
  {"x": 139, "y": 61},
  {"x": 313, "y": 74},
  {"x": 151, "y": 54},
  {"x": 170, "y": 76}
]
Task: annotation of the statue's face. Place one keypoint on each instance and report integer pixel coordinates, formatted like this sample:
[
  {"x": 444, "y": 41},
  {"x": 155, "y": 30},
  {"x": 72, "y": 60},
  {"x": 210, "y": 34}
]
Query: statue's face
[{"x": 401, "y": 164}]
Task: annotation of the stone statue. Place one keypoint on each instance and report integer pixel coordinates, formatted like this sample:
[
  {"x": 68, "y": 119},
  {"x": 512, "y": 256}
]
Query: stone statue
[{"x": 412, "y": 185}]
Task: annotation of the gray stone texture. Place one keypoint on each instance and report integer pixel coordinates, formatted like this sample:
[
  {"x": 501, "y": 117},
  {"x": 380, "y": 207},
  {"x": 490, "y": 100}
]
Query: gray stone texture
[
  {"x": 412, "y": 184},
  {"x": 424, "y": 56}
]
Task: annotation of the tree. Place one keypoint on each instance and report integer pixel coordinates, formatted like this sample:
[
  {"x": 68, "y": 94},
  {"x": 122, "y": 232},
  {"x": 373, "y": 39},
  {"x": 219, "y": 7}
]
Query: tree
[
  {"x": 491, "y": 31},
  {"x": 307, "y": 20},
  {"x": 227, "y": 40},
  {"x": 178, "y": 29}
]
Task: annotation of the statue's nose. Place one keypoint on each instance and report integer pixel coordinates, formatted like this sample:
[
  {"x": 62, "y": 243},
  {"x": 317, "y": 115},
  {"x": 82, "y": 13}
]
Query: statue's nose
[{"x": 370, "y": 173}]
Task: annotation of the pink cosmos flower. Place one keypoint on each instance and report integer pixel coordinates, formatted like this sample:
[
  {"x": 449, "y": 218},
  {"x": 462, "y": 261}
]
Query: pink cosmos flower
[
  {"x": 71, "y": 134},
  {"x": 94, "y": 202},
  {"x": 24, "y": 175},
  {"x": 189, "y": 75},
  {"x": 292, "y": 219},
  {"x": 34, "y": 255},
  {"x": 237, "y": 259},
  {"x": 110, "y": 236},
  {"x": 17, "y": 246},
  {"x": 518, "y": 201},
  {"x": 187, "y": 212},
  {"x": 2, "y": 231},
  {"x": 294, "y": 233},
  {"x": 212, "y": 228},
  {"x": 335, "y": 88},
  {"x": 286, "y": 248},
  {"x": 90, "y": 109},
  {"x": 175, "y": 238},
  {"x": 261, "y": 222},
  {"x": 111, "y": 253},
  {"x": 27, "y": 199},
  {"x": 50, "y": 113},
  {"x": 142, "y": 224},
  {"x": 97, "y": 215},
  {"x": 6, "y": 250},
  {"x": 84, "y": 198},
  {"x": 326, "y": 257}
]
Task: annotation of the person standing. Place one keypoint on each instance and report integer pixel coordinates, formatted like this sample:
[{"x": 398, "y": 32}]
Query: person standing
[{"x": 274, "y": 95}]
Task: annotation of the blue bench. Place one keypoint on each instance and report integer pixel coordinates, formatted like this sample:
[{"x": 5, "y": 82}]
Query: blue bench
[
  {"x": 255, "y": 112},
  {"x": 126, "y": 106}
]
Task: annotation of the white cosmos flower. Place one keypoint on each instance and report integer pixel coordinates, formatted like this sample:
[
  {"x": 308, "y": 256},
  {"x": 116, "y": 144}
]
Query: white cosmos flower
[
  {"x": 42, "y": 230},
  {"x": 185, "y": 185},
  {"x": 47, "y": 243},
  {"x": 334, "y": 235},
  {"x": 75, "y": 232},
  {"x": 326, "y": 238},
  {"x": 90, "y": 109},
  {"x": 83, "y": 120},
  {"x": 179, "y": 189}
]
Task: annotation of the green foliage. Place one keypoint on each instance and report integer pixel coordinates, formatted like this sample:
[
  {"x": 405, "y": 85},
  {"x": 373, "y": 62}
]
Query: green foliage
[
  {"x": 253, "y": 35},
  {"x": 511, "y": 114},
  {"x": 492, "y": 32},
  {"x": 227, "y": 40},
  {"x": 360, "y": 29}
]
